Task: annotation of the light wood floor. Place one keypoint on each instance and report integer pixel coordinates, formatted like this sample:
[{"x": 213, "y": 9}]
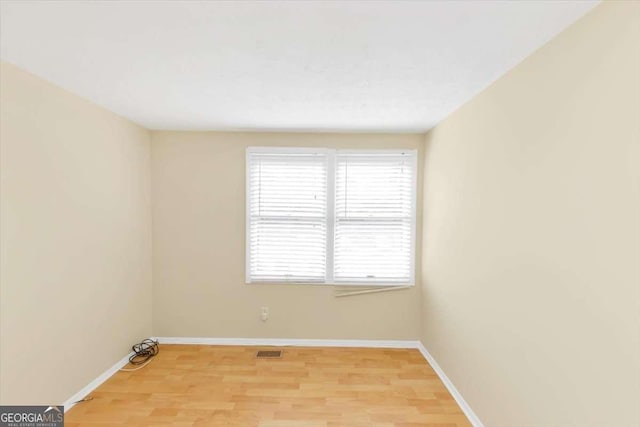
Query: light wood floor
[{"x": 227, "y": 386}]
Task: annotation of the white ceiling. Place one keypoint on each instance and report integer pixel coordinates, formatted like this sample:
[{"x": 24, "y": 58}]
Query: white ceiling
[{"x": 280, "y": 65}]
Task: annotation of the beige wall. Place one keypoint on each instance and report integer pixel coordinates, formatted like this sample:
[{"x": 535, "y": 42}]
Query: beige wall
[
  {"x": 75, "y": 230},
  {"x": 199, "y": 249},
  {"x": 531, "y": 298}
]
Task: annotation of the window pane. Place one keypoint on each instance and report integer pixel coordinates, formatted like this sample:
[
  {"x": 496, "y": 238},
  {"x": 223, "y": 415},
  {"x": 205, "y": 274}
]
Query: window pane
[
  {"x": 287, "y": 216},
  {"x": 287, "y": 250},
  {"x": 374, "y": 197}
]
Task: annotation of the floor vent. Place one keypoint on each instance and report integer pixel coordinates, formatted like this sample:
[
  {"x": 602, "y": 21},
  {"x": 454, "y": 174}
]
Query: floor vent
[{"x": 269, "y": 354}]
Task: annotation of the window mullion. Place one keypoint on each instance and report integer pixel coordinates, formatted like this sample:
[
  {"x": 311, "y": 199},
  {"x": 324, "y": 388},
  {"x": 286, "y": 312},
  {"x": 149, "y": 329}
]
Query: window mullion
[
  {"x": 331, "y": 184},
  {"x": 414, "y": 202}
]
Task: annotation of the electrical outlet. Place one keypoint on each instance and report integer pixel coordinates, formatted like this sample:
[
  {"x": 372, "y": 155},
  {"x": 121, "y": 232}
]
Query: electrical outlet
[{"x": 264, "y": 313}]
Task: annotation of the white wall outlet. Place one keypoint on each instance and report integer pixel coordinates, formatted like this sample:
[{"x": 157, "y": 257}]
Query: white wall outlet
[{"x": 264, "y": 313}]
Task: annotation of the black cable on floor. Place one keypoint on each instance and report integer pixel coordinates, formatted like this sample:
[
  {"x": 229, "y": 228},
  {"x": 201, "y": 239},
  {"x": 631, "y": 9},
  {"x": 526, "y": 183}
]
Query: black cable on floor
[{"x": 143, "y": 352}]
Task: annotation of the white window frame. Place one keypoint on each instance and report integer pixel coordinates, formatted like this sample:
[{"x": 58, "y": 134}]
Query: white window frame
[{"x": 330, "y": 154}]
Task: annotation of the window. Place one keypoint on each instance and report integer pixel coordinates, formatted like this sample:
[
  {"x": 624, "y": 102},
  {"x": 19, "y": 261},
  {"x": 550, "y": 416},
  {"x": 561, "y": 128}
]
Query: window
[
  {"x": 287, "y": 204},
  {"x": 330, "y": 216}
]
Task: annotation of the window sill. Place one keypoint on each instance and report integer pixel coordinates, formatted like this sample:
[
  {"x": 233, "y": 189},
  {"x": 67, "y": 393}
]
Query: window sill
[{"x": 335, "y": 284}]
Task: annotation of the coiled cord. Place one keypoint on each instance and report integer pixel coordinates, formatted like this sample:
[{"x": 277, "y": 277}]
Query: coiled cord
[{"x": 143, "y": 353}]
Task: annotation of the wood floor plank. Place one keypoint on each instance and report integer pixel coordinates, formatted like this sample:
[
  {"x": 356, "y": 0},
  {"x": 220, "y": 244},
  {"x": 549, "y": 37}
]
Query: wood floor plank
[{"x": 191, "y": 385}]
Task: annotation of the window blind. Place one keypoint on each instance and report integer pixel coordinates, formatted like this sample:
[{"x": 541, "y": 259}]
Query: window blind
[
  {"x": 330, "y": 216},
  {"x": 374, "y": 217},
  {"x": 287, "y": 215}
]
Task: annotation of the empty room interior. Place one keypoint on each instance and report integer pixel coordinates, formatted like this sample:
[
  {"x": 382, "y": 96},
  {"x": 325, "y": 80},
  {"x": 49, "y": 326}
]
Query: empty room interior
[{"x": 320, "y": 213}]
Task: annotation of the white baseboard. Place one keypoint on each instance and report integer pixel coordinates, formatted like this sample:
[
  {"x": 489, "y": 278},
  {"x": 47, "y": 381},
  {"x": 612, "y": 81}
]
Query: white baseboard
[
  {"x": 95, "y": 383},
  {"x": 473, "y": 418},
  {"x": 279, "y": 342}
]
